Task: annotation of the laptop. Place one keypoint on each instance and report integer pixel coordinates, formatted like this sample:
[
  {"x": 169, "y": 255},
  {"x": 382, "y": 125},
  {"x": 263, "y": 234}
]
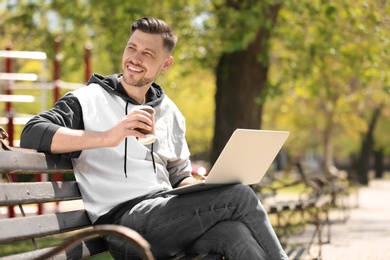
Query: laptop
[{"x": 245, "y": 159}]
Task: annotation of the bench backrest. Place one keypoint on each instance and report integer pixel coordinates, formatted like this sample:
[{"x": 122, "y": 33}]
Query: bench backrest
[{"x": 32, "y": 226}]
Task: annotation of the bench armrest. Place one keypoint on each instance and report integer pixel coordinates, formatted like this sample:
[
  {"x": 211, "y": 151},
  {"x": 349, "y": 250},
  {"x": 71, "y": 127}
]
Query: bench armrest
[{"x": 104, "y": 230}]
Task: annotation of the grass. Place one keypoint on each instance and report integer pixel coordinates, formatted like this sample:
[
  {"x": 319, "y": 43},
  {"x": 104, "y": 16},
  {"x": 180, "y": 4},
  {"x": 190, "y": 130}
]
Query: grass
[
  {"x": 27, "y": 245},
  {"x": 23, "y": 246},
  {"x": 282, "y": 187}
]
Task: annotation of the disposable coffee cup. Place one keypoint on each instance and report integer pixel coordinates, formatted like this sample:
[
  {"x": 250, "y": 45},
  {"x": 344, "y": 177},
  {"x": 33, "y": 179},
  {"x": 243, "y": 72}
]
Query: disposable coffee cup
[{"x": 150, "y": 135}]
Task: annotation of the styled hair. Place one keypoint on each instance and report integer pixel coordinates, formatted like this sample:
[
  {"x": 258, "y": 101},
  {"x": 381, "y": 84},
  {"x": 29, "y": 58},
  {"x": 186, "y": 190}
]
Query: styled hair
[{"x": 156, "y": 26}]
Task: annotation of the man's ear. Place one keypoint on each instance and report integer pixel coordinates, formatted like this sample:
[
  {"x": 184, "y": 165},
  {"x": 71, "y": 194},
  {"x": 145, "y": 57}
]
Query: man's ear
[{"x": 168, "y": 63}]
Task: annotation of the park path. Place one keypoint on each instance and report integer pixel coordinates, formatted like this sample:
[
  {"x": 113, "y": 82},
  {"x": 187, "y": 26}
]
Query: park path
[{"x": 366, "y": 233}]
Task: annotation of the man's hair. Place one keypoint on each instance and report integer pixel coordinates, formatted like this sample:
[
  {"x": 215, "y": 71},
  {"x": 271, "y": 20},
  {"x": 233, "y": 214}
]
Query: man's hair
[{"x": 156, "y": 26}]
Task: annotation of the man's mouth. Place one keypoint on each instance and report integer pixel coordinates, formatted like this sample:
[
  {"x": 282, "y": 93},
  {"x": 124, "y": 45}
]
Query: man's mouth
[{"x": 134, "y": 69}]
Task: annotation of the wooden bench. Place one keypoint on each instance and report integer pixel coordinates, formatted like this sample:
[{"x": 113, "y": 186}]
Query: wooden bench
[{"x": 83, "y": 240}]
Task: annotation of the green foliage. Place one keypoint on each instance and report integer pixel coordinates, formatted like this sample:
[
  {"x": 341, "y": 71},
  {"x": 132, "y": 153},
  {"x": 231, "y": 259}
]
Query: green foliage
[
  {"x": 328, "y": 59},
  {"x": 33, "y": 26},
  {"x": 194, "y": 97}
]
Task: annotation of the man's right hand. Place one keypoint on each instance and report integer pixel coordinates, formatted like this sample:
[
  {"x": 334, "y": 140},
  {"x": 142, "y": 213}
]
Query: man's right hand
[{"x": 67, "y": 140}]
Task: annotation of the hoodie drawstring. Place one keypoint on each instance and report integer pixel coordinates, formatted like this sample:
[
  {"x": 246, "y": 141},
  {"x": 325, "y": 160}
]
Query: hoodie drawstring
[
  {"x": 125, "y": 160},
  {"x": 154, "y": 163}
]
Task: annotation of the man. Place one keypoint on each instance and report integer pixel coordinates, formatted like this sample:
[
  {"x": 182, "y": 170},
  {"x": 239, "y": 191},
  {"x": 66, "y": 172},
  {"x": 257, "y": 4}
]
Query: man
[{"x": 98, "y": 127}]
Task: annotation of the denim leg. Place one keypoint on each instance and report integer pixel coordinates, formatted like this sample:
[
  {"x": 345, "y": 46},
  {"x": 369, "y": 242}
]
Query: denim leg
[
  {"x": 171, "y": 224},
  {"x": 231, "y": 239},
  {"x": 121, "y": 249}
]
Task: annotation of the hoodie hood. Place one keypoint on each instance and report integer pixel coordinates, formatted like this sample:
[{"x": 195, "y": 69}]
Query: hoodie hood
[{"x": 111, "y": 84}]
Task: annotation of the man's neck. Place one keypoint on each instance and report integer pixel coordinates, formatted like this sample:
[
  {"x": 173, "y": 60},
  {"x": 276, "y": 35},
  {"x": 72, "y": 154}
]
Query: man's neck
[{"x": 136, "y": 93}]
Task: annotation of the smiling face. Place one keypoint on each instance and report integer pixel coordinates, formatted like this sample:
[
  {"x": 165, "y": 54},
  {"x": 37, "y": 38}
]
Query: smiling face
[{"x": 144, "y": 58}]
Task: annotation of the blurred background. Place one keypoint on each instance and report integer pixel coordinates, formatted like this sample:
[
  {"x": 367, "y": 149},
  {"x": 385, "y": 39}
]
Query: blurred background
[{"x": 319, "y": 69}]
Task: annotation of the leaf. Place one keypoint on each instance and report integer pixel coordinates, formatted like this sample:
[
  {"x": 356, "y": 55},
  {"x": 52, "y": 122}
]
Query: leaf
[{"x": 330, "y": 11}]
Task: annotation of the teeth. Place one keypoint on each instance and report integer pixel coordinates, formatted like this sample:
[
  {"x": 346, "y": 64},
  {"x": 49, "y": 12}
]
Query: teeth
[{"x": 134, "y": 69}]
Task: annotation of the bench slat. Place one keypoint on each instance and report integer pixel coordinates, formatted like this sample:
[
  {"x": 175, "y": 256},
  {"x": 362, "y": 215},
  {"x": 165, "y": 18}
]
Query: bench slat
[
  {"x": 27, "y": 193},
  {"x": 288, "y": 206},
  {"x": 17, "y": 229},
  {"x": 295, "y": 253},
  {"x": 87, "y": 248},
  {"x": 33, "y": 162},
  {"x": 323, "y": 200}
]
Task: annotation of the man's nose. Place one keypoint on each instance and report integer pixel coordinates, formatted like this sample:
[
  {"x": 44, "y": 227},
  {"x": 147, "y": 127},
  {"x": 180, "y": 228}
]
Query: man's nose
[{"x": 137, "y": 57}]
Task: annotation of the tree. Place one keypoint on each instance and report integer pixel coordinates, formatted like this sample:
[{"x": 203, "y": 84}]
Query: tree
[
  {"x": 316, "y": 68},
  {"x": 330, "y": 59},
  {"x": 363, "y": 163},
  {"x": 242, "y": 69}
]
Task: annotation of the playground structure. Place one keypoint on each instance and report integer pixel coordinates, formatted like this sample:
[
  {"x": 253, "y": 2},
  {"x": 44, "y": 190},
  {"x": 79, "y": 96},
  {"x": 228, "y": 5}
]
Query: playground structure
[{"x": 11, "y": 79}]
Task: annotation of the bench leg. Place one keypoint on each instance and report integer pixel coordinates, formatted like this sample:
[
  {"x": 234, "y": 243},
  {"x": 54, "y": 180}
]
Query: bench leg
[{"x": 321, "y": 218}]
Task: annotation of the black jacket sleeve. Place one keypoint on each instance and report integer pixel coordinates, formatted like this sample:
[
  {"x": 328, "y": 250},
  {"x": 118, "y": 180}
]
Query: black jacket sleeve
[{"x": 39, "y": 131}]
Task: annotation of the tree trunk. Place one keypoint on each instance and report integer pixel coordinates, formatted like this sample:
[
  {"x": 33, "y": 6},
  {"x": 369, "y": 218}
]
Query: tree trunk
[
  {"x": 240, "y": 78},
  {"x": 328, "y": 162},
  {"x": 379, "y": 165},
  {"x": 363, "y": 164}
]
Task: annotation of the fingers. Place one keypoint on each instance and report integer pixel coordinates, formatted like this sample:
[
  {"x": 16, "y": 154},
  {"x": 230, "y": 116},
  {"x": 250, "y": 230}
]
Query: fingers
[
  {"x": 137, "y": 123},
  {"x": 140, "y": 120}
]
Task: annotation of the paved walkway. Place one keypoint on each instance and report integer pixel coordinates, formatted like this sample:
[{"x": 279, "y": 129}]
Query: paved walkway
[{"x": 366, "y": 234}]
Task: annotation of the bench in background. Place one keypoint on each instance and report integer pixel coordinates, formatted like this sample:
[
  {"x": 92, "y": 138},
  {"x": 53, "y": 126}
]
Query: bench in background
[{"x": 310, "y": 206}]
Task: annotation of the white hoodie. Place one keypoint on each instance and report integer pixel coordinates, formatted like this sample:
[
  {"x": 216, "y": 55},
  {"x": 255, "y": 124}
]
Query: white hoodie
[{"x": 100, "y": 172}]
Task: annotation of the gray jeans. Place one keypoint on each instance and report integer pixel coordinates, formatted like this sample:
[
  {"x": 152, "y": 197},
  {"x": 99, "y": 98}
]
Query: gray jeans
[{"x": 229, "y": 221}]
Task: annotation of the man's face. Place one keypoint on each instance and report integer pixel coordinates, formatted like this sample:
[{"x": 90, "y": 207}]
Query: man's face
[{"x": 144, "y": 58}]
